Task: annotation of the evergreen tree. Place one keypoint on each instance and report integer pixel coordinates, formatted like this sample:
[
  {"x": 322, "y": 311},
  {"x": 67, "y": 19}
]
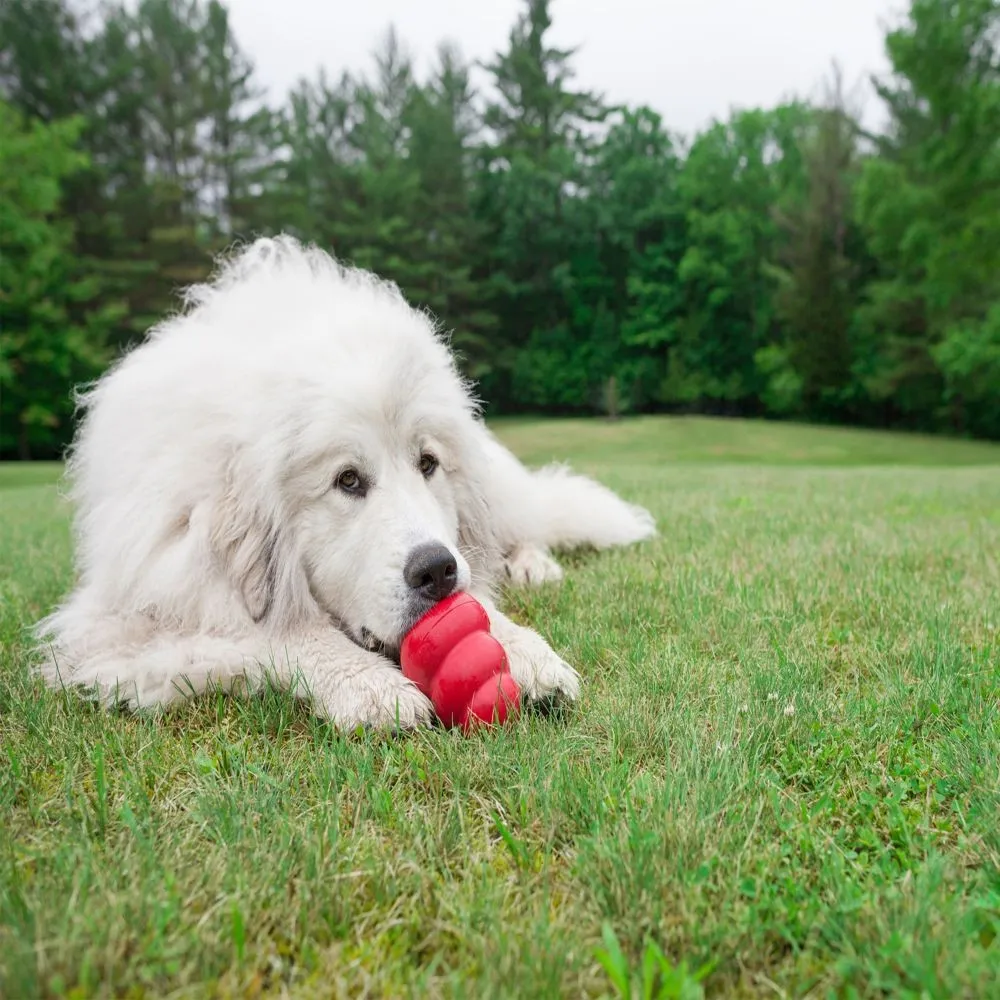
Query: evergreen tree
[
  {"x": 817, "y": 281},
  {"x": 442, "y": 126},
  {"x": 930, "y": 202},
  {"x": 54, "y": 332},
  {"x": 316, "y": 181},
  {"x": 641, "y": 164},
  {"x": 239, "y": 167},
  {"x": 532, "y": 177},
  {"x": 584, "y": 258},
  {"x": 373, "y": 225},
  {"x": 734, "y": 175}
]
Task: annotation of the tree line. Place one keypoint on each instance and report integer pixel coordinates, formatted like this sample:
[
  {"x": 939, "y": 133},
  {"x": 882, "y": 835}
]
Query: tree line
[{"x": 587, "y": 259}]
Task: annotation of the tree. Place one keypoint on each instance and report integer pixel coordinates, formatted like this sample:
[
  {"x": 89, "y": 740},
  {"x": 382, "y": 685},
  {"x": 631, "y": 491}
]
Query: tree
[
  {"x": 442, "y": 126},
  {"x": 636, "y": 177},
  {"x": 374, "y": 225},
  {"x": 534, "y": 110},
  {"x": 930, "y": 204},
  {"x": 316, "y": 179},
  {"x": 44, "y": 349},
  {"x": 239, "y": 165},
  {"x": 732, "y": 179},
  {"x": 42, "y": 53},
  {"x": 531, "y": 198},
  {"x": 582, "y": 257},
  {"x": 811, "y": 370},
  {"x": 56, "y": 65}
]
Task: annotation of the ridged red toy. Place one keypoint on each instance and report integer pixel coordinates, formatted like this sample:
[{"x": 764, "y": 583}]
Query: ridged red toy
[{"x": 452, "y": 657}]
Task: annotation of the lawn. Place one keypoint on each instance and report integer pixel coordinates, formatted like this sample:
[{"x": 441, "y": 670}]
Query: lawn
[{"x": 783, "y": 779}]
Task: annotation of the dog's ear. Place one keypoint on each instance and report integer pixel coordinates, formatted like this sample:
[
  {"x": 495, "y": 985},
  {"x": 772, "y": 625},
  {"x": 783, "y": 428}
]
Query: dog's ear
[{"x": 247, "y": 541}]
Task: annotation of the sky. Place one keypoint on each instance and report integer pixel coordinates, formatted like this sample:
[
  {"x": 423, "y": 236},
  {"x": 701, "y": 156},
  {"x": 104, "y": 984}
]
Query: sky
[{"x": 690, "y": 60}]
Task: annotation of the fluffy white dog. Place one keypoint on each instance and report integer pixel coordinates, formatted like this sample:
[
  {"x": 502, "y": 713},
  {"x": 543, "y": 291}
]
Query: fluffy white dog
[{"x": 279, "y": 481}]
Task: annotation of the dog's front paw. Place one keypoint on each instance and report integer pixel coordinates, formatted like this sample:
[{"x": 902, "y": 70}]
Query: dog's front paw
[
  {"x": 376, "y": 698},
  {"x": 531, "y": 566},
  {"x": 540, "y": 672}
]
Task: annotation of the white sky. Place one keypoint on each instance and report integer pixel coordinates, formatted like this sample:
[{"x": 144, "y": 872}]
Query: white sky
[{"x": 690, "y": 60}]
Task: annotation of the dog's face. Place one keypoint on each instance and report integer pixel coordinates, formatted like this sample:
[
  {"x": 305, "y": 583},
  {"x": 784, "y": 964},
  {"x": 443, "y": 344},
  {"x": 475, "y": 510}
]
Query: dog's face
[
  {"x": 353, "y": 485},
  {"x": 380, "y": 544},
  {"x": 357, "y": 498}
]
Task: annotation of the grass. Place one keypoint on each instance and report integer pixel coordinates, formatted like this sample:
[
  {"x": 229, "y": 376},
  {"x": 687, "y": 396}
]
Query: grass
[{"x": 784, "y": 779}]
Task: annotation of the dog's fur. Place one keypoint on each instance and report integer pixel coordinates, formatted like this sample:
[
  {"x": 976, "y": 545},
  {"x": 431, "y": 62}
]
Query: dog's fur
[{"x": 216, "y": 541}]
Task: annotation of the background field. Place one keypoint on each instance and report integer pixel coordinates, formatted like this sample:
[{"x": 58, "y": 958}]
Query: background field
[{"x": 785, "y": 767}]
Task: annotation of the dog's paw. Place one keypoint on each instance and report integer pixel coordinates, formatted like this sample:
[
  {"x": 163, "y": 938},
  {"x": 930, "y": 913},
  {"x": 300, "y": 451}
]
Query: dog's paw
[
  {"x": 531, "y": 566},
  {"x": 542, "y": 675},
  {"x": 377, "y": 698}
]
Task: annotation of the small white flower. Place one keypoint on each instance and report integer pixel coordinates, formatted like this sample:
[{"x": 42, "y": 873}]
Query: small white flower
[
  {"x": 789, "y": 709},
  {"x": 773, "y": 696},
  {"x": 744, "y": 708},
  {"x": 721, "y": 747}
]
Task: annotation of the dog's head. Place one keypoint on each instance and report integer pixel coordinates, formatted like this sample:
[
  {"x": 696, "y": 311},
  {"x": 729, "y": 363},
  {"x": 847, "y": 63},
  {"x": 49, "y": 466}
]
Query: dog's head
[{"x": 359, "y": 493}]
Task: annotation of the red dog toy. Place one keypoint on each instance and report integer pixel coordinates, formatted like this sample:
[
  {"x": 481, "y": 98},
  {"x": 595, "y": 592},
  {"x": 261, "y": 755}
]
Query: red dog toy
[{"x": 451, "y": 656}]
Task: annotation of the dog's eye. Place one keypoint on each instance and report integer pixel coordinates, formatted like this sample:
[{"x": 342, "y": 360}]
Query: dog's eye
[
  {"x": 428, "y": 463},
  {"x": 350, "y": 482}
]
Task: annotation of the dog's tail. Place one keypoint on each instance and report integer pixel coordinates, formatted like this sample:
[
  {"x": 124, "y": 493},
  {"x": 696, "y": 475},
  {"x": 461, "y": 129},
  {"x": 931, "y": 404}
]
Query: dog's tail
[
  {"x": 555, "y": 508},
  {"x": 568, "y": 511}
]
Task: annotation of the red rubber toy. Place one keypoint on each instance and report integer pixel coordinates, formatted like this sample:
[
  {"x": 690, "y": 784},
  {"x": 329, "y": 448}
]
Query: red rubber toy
[{"x": 451, "y": 656}]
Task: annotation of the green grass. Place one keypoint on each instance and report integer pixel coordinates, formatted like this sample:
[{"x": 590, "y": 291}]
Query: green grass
[
  {"x": 654, "y": 440},
  {"x": 784, "y": 778}
]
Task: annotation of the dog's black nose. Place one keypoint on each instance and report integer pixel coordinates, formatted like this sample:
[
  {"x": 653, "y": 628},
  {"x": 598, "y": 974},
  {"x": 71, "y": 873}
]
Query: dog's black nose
[{"x": 431, "y": 570}]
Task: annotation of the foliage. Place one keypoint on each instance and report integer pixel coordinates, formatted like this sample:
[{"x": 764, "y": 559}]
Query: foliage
[
  {"x": 54, "y": 333},
  {"x": 817, "y": 263},
  {"x": 931, "y": 205},
  {"x": 583, "y": 257}
]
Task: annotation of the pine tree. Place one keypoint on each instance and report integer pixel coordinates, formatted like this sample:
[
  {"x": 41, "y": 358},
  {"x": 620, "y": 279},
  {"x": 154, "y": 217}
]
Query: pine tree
[
  {"x": 930, "y": 203},
  {"x": 641, "y": 165},
  {"x": 374, "y": 226},
  {"x": 535, "y": 111},
  {"x": 316, "y": 176},
  {"x": 239, "y": 162},
  {"x": 532, "y": 176},
  {"x": 54, "y": 329},
  {"x": 734, "y": 175},
  {"x": 442, "y": 125},
  {"x": 817, "y": 293}
]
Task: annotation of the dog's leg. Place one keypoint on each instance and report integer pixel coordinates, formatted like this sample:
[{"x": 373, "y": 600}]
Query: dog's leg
[
  {"x": 539, "y": 671},
  {"x": 348, "y": 685},
  {"x": 351, "y": 686},
  {"x": 528, "y": 565}
]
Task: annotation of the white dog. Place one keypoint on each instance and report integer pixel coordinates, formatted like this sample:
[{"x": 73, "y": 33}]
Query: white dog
[{"x": 279, "y": 481}]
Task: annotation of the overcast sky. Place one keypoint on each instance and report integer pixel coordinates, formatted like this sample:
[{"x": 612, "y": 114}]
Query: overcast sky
[{"x": 691, "y": 60}]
